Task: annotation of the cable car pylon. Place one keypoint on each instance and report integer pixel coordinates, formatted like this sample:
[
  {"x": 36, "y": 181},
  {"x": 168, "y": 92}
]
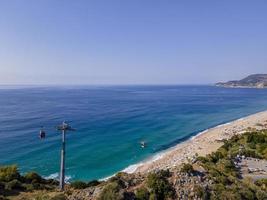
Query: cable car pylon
[{"x": 64, "y": 127}]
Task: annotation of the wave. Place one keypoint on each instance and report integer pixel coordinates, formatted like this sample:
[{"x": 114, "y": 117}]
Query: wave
[
  {"x": 132, "y": 168},
  {"x": 200, "y": 133},
  {"x": 56, "y": 177}
]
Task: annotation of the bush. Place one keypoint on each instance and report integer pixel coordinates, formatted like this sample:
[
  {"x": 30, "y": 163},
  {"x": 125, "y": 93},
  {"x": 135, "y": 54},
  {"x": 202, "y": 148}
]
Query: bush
[
  {"x": 215, "y": 156},
  {"x": 93, "y": 183},
  {"x": 202, "y": 159},
  {"x": 58, "y": 197},
  {"x": 230, "y": 195},
  {"x": 222, "y": 179},
  {"x": 78, "y": 185},
  {"x": 256, "y": 138},
  {"x": 261, "y": 183},
  {"x": 227, "y": 166},
  {"x": 111, "y": 192},
  {"x": 32, "y": 177},
  {"x": 164, "y": 173},
  {"x": 251, "y": 153},
  {"x": 41, "y": 196},
  {"x": 142, "y": 194},
  {"x": 199, "y": 191},
  {"x": 9, "y": 173},
  {"x": 261, "y": 195},
  {"x": 28, "y": 187},
  {"x": 187, "y": 168},
  {"x": 14, "y": 184},
  {"x": 246, "y": 193},
  {"x": 159, "y": 186}
]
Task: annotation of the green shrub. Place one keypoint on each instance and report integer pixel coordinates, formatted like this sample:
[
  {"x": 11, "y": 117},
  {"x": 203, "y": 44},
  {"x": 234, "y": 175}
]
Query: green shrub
[
  {"x": 33, "y": 177},
  {"x": 227, "y": 144},
  {"x": 217, "y": 189},
  {"x": 215, "y": 156},
  {"x": 164, "y": 173},
  {"x": 58, "y": 197},
  {"x": 246, "y": 193},
  {"x": 187, "y": 168},
  {"x": 251, "y": 153},
  {"x": 153, "y": 196},
  {"x": 41, "y": 196},
  {"x": 226, "y": 166},
  {"x": 252, "y": 145},
  {"x": 78, "y": 185},
  {"x": 93, "y": 183},
  {"x": 159, "y": 186},
  {"x": 142, "y": 194},
  {"x": 256, "y": 138},
  {"x": 121, "y": 174},
  {"x": 230, "y": 195},
  {"x": 14, "y": 184},
  {"x": 199, "y": 191},
  {"x": 111, "y": 192},
  {"x": 261, "y": 195},
  {"x": 28, "y": 187},
  {"x": 222, "y": 179},
  {"x": 261, "y": 182},
  {"x": 202, "y": 159},
  {"x": 9, "y": 173}
]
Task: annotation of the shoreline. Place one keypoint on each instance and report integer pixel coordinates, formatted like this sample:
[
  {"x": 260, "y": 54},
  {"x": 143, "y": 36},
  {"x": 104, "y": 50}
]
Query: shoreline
[{"x": 203, "y": 143}]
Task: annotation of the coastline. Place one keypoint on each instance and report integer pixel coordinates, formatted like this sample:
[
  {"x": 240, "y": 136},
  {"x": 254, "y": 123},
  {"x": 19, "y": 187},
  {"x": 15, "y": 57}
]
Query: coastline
[
  {"x": 240, "y": 86},
  {"x": 203, "y": 143}
]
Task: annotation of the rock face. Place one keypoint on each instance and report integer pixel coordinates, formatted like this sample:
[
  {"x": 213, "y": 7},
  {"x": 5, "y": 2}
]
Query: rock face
[{"x": 252, "y": 81}]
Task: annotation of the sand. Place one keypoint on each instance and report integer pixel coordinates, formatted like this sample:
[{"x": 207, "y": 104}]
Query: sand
[{"x": 204, "y": 143}]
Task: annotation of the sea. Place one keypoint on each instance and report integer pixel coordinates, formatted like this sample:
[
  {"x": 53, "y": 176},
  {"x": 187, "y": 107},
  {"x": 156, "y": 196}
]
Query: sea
[{"x": 110, "y": 122}]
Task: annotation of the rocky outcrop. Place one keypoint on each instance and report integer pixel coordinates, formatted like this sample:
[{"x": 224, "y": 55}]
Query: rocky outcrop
[{"x": 252, "y": 81}]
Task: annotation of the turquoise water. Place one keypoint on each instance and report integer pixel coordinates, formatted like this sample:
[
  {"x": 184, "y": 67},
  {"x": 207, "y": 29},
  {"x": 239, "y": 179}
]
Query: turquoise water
[{"x": 110, "y": 123}]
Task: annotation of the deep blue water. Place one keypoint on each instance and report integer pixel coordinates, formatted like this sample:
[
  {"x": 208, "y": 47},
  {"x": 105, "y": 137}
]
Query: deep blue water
[{"x": 110, "y": 123}]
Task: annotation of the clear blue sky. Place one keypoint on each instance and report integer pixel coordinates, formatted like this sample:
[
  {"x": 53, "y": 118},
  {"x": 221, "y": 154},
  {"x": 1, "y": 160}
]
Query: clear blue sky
[{"x": 131, "y": 41}]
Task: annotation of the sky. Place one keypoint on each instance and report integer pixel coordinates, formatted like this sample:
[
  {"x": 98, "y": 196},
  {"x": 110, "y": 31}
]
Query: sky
[{"x": 66, "y": 42}]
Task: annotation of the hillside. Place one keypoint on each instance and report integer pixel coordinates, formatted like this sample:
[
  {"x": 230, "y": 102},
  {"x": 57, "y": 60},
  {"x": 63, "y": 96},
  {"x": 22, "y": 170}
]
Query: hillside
[
  {"x": 237, "y": 170},
  {"x": 252, "y": 81}
]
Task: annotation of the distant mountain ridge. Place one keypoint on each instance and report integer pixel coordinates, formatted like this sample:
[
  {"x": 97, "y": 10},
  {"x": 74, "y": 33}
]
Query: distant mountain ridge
[{"x": 252, "y": 81}]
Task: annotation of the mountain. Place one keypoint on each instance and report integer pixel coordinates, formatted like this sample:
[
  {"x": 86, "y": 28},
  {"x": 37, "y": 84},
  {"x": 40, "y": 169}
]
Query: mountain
[{"x": 252, "y": 81}]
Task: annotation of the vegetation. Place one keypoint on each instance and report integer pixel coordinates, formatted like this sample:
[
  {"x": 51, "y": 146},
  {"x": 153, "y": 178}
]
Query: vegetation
[
  {"x": 142, "y": 193},
  {"x": 111, "y": 192},
  {"x": 187, "y": 168},
  {"x": 254, "y": 80},
  {"x": 222, "y": 171},
  {"x": 12, "y": 182},
  {"x": 159, "y": 186},
  {"x": 78, "y": 185},
  {"x": 114, "y": 189},
  {"x": 83, "y": 185},
  {"x": 223, "y": 179}
]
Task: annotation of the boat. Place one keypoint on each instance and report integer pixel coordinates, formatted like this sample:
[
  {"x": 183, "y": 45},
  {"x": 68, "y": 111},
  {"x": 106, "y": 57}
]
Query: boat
[{"x": 143, "y": 144}]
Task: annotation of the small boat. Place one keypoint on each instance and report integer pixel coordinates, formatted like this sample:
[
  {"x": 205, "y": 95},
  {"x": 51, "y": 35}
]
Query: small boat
[
  {"x": 42, "y": 134},
  {"x": 143, "y": 144}
]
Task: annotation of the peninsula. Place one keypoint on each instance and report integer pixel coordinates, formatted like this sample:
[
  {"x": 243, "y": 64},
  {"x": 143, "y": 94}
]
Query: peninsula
[{"x": 252, "y": 81}]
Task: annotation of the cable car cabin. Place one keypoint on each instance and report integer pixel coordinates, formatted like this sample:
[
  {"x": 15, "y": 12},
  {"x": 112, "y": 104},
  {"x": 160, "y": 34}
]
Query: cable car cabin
[{"x": 42, "y": 134}]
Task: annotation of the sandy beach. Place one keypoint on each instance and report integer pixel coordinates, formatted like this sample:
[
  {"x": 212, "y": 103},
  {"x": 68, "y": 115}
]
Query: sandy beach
[{"x": 202, "y": 144}]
